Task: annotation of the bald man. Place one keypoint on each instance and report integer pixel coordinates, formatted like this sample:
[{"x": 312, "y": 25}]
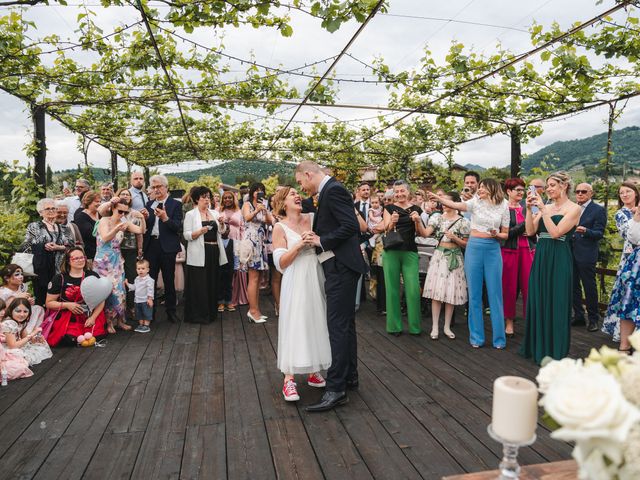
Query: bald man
[{"x": 586, "y": 238}]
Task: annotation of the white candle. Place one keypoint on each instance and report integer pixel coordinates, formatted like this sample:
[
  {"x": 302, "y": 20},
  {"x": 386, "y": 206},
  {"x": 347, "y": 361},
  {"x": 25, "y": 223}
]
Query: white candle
[{"x": 514, "y": 415}]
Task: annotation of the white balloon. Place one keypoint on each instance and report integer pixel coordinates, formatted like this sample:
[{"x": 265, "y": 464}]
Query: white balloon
[{"x": 95, "y": 290}]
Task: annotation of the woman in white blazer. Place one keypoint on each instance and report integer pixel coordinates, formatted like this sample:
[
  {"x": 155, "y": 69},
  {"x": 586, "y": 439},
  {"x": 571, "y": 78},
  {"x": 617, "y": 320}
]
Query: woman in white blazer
[{"x": 202, "y": 228}]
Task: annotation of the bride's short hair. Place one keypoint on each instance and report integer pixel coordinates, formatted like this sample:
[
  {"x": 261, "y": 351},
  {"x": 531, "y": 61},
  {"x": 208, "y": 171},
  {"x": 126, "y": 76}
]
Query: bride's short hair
[{"x": 279, "y": 199}]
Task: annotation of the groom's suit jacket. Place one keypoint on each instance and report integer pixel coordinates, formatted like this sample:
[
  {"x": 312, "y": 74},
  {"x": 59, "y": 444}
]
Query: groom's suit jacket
[{"x": 336, "y": 224}]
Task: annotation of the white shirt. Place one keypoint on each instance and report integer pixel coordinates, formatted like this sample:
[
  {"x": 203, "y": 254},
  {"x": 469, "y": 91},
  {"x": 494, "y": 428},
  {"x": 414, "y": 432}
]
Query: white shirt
[
  {"x": 323, "y": 183},
  {"x": 144, "y": 288},
  {"x": 139, "y": 198},
  {"x": 155, "y": 231},
  {"x": 584, "y": 207},
  {"x": 73, "y": 204},
  {"x": 486, "y": 215}
]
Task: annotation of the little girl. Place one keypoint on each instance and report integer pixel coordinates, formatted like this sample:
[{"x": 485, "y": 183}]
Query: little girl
[
  {"x": 13, "y": 365},
  {"x": 374, "y": 218},
  {"x": 32, "y": 345}
]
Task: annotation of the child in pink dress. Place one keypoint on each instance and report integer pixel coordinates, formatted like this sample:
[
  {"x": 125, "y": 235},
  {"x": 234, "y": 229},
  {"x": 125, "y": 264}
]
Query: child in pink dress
[{"x": 13, "y": 364}]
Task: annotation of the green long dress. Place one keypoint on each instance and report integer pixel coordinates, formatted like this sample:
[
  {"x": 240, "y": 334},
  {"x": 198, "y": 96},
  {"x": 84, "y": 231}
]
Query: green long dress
[{"x": 548, "y": 320}]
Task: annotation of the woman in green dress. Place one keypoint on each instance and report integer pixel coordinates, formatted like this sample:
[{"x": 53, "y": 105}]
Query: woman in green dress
[{"x": 548, "y": 322}]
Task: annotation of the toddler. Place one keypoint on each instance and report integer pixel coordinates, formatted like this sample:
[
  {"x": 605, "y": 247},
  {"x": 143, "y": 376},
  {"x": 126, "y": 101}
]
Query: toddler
[{"x": 143, "y": 286}]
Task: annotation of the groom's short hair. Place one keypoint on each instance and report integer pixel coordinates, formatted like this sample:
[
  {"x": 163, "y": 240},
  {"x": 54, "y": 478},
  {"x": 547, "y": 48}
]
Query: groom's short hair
[{"x": 308, "y": 166}]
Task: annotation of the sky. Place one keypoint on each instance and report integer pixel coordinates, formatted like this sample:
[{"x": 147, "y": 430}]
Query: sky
[{"x": 399, "y": 36}]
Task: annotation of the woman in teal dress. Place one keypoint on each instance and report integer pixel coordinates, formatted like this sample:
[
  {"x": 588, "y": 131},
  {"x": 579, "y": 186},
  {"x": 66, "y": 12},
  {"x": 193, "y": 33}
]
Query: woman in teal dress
[{"x": 548, "y": 318}]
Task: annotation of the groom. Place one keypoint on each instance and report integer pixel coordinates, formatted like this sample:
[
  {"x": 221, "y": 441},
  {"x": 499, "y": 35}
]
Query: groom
[{"x": 335, "y": 235}]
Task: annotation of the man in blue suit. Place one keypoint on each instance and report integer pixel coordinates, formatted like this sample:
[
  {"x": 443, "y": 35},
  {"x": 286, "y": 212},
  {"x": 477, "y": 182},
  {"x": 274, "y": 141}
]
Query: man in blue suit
[
  {"x": 162, "y": 239},
  {"x": 589, "y": 231}
]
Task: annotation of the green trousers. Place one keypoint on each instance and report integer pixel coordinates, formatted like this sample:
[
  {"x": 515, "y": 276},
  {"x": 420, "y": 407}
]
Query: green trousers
[{"x": 395, "y": 262}]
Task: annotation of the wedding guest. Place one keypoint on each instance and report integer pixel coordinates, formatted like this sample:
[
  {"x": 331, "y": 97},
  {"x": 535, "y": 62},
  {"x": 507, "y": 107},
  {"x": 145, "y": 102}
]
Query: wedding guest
[
  {"x": 303, "y": 336},
  {"x": 162, "y": 239},
  {"x": 47, "y": 241},
  {"x": 202, "y": 230},
  {"x": 446, "y": 282},
  {"x": 132, "y": 243},
  {"x": 109, "y": 262},
  {"x": 625, "y": 295},
  {"x": 232, "y": 217},
  {"x": 375, "y": 225},
  {"x": 106, "y": 192},
  {"x": 548, "y": 318},
  {"x": 65, "y": 297},
  {"x": 257, "y": 217},
  {"x": 139, "y": 198},
  {"x": 143, "y": 287},
  {"x": 13, "y": 286},
  {"x": 62, "y": 216},
  {"x": 628, "y": 198},
  {"x": 585, "y": 249},
  {"x": 404, "y": 218},
  {"x": 517, "y": 255},
  {"x": 482, "y": 261},
  {"x": 12, "y": 362},
  {"x": 74, "y": 202},
  {"x": 31, "y": 343},
  {"x": 86, "y": 220}
]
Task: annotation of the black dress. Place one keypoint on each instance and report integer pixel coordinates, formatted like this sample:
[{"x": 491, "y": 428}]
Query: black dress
[{"x": 201, "y": 283}]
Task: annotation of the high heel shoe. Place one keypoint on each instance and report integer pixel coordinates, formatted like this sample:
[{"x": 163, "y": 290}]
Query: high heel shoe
[{"x": 255, "y": 320}]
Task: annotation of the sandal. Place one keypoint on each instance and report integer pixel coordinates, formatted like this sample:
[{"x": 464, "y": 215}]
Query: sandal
[
  {"x": 625, "y": 351},
  {"x": 124, "y": 326},
  {"x": 231, "y": 308},
  {"x": 221, "y": 307}
]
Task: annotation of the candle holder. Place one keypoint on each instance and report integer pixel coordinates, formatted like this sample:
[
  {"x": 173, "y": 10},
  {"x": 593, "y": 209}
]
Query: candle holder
[{"x": 509, "y": 467}]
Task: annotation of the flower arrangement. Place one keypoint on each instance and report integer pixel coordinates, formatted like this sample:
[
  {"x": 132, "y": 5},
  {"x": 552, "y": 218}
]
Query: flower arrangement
[{"x": 595, "y": 403}]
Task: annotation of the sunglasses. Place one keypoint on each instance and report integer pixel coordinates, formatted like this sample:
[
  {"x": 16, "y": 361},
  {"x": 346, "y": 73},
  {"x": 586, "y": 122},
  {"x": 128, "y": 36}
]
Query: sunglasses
[
  {"x": 121, "y": 212},
  {"x": 582, "y": 192}
]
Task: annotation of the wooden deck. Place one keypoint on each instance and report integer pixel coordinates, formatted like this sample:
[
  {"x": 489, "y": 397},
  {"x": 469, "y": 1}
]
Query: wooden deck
[{"x": 187, "y": 401}]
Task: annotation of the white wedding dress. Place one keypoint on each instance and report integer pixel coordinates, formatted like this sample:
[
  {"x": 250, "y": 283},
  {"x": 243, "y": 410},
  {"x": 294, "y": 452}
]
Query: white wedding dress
[{"x": 303, "y": 337}]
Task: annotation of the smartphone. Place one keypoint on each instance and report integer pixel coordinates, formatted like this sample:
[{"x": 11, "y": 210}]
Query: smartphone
[
  {"x": 466, "y": 190},
  {"x": 160, "y": 206},
  {"x": 260, "y": 196},
  {"x": 533, "y": 191}
]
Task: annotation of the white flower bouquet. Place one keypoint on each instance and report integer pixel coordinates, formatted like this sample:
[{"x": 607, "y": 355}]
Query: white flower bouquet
[{"x": 595, "y": 403}]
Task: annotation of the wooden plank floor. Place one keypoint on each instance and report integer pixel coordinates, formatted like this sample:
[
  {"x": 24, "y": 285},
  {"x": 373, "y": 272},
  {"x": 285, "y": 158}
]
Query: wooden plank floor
[{"x": 187, "y": 401}]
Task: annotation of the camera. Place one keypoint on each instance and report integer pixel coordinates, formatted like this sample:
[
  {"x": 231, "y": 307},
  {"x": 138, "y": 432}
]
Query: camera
[{"x": 466, "y": 190}]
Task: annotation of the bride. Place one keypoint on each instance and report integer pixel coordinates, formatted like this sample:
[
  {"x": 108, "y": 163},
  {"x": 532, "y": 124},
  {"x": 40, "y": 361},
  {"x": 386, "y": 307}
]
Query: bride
[{"x": 303, "y": 337}]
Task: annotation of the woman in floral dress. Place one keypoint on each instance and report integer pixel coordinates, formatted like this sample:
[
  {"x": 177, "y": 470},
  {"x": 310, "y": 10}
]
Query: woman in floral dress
[{"x": 109, "y": 263}]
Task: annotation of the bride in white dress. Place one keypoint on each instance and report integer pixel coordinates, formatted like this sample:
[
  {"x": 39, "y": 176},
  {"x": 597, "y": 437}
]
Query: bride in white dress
[{"x": 303, "y": 337}]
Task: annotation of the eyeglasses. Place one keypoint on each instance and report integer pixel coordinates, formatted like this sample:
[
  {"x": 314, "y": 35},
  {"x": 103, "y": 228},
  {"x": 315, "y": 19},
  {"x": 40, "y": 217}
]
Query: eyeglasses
[
  {"x": 582, "y": 192},
  {"x": 77, "y": 259}
]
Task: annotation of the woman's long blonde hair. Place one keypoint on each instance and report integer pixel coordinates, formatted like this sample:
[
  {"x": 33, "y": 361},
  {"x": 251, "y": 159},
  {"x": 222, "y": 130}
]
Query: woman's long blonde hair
[
  {"x": 496, "y": 194},
  {"x": 279, "y": 199}
]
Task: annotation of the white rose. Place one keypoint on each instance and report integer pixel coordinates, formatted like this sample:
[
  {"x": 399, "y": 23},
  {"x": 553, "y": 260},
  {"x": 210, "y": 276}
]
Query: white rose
[
  {"x": 589, "y": 405},
  {"x": 634, "y": 340},
  {"x": 554, "y": 369},
  {"x": 594, "y": 463}
]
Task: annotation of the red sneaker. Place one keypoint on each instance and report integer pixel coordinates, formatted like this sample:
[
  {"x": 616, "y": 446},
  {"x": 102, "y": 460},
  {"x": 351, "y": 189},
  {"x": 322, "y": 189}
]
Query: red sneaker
[
  {"x": 290, "y": 391},
  {"x": 316, "y": 380}
]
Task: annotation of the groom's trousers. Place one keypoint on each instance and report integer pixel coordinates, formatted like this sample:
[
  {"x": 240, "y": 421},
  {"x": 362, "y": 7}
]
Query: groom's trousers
[{"x": 340, "y": 288}]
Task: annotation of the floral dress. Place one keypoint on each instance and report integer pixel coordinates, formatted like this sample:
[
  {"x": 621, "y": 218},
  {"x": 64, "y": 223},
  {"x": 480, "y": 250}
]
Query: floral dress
[
  {"x": 446, "y": 281},
  {"x": 109, "y": 263},
  {"x": 256, "y": 232},
  {"x": 34, "y": 351}
]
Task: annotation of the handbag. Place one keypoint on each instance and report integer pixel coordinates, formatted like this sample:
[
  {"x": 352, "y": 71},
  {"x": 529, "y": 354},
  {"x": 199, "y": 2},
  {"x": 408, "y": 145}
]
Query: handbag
[
  {"x": 392, "y": 239},
  {"x": 25, "y": 261}
]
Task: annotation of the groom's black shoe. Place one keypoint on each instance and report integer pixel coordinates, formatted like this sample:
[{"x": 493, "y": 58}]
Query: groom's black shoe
[{"x": 328, "y": 401}]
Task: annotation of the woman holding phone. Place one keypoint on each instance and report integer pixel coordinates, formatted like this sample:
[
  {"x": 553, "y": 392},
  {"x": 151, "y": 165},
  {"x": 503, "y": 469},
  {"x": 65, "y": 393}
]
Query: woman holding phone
[
  {"x": 548, "y": 317},
  {"x": 257, "y": 217},
  {"x": 483, "y": 261}
]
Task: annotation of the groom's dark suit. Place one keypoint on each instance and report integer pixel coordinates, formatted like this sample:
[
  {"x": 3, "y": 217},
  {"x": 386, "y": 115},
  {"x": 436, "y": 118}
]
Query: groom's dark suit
[{"x": 336, "y": 224}]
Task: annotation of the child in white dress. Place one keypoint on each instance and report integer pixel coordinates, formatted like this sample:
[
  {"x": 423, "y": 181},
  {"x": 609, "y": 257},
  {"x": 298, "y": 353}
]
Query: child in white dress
[{"x": 32, "y": 344}]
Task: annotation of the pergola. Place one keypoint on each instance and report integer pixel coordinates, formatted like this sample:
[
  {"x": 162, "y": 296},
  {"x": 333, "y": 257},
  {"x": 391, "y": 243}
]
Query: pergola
[{"x": 160, "y": 87}]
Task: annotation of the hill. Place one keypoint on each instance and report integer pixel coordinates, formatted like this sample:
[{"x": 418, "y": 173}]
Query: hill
[
  {"x": 234, "y": 171},
  {"x": 587, "y": 152}
]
